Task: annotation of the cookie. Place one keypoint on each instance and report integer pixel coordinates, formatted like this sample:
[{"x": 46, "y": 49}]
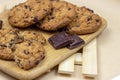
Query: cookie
[
  {"x": 86, "y": 21},
  {"x": 29, "y": 12},
  {"x": 32, "y": 35},
  {"x": 62, "y": 14},
  {"x": 28, "y": 54},
  {"x": 8, "y": 39},
  {"x": 4, "y": 31}
]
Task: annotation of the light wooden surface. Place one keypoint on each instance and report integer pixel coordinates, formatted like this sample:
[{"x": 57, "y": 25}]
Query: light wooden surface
[
  {"x": 53, "y": 57},
  {"x": 108, "y": 42}
]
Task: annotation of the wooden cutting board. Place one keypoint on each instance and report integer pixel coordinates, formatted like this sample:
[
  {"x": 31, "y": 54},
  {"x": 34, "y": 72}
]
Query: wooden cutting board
[{"x": 53, "y": 57}]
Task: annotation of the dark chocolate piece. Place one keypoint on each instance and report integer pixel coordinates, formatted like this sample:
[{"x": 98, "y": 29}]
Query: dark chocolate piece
[
  {"x": 77, "y": 41},
  {"x": 1, "y": 24},
  {"x": 60, "y": 40}
]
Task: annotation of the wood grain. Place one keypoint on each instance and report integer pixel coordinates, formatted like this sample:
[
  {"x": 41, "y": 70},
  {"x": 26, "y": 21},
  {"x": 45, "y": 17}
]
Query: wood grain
[{"x": 53, "y": 57}]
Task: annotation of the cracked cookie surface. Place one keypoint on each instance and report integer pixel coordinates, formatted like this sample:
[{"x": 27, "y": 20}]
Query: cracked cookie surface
[
  {"x": 29, "y": 54},
  {"x": 30, "y": 35},
  {"x": 29, "y": 12},
  {"x": 62, "y": 14},
  {"x": 86, "y": 21},
  {"x": 8, "y": 39}
]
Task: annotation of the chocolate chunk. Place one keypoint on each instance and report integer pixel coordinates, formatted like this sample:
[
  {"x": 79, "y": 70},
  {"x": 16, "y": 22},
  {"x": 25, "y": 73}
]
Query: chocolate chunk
[
  {"x": 60, "y": 40},
  {"x": 3, "y": 45},
  {"x": 77, "y": 41},
  {"x": 45, "y": 10},
  {"x": 26, "y": 52},
  {"x": 90, "y": 10},
  {"x": 1, "y": 23},
  {"x": 69, "y": 8},
  {"x": 37, "y": 62},
  {"x": 26, "y": 6},
  {"x": 36, "y": 19},
  {"x": 97, "y": 20},
  {"x": 89, "y": 18}
]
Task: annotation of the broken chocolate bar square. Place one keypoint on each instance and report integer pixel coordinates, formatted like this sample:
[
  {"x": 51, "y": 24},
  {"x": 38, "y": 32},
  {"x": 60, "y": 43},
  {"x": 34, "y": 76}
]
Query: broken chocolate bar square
[
  {"x": 77, "y": 41},
  {"x": 1, "y": 23},
  {"x": 60, "y": 40}
]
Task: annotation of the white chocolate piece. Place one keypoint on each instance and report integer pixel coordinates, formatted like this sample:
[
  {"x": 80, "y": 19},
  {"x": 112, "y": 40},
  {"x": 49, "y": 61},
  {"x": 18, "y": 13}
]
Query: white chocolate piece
[
  {"x": 89, "y": 66},
  {"x": 78, "y": 58},
  {"x": 67, "y": 66}
]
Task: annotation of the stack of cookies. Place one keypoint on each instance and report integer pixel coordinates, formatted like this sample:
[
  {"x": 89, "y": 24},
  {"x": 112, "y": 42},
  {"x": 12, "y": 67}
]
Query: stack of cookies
[
  {"x": 52, "y": 15},
  {"x": 26, "y": 47}
]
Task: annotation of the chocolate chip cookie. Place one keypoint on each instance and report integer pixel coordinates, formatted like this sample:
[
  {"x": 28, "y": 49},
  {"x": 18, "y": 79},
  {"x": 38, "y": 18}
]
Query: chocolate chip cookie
[
  {"x": 32, "y": 35},
  {"x": 86, "y": 21},
  {"x": 62, "y": 14},
  {"x": 8, "y": 39},
  {"x": 29, "y": 12},
  {"x": 28, "y": 54}
]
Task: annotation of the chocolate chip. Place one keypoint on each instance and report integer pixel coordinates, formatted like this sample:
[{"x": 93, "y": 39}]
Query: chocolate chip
[
  {"x": 97, "y": 20},
  {"x": 30, "y": 9},
  {"x": 36, "y": 19},
  {"x": 39, "y": 24},
  {"x": 37, "y": 62},
  {"x": 59, "y": 40},
  {"x": 90, "y": 10},
  {"x": 34, "y": 33},
  {"x": 63, "y": 29},
  {"x": 45, "y": 10},
  {"x": 29, "y": 43},
  {"x": 77, "y": 16},
  {"x": 11, "y": 44},
  {"x": 89, "y": 18},
  {"x": 1, "y": 24},
  {"x": 52, "y": 17},
  {"x": 26, "y": 52},
  {"x": 26, "y": 21},
  {"x": 26, "y": 6},
  {"x": 69, "y": 8},
  {"x": 77, "y": 41},
  {"x": 3, "y": 45}
]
